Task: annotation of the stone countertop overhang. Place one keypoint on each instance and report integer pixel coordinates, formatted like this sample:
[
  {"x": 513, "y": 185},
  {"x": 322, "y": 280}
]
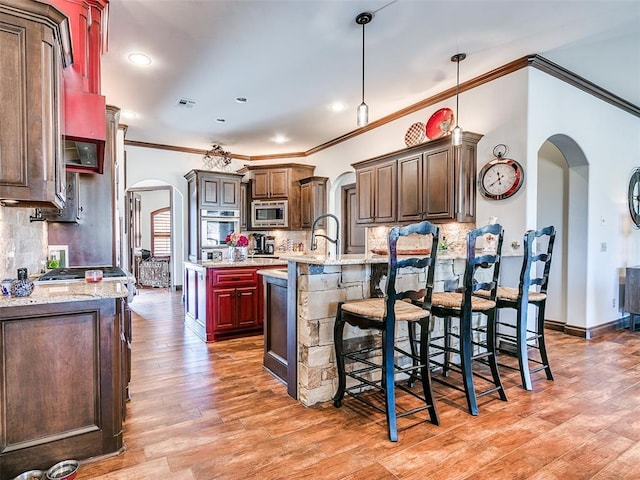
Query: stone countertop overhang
[
  {"x": 74, "y": 291},
  {"x": 280, "y": 273},
  {"x": 360, "y": 259},
  {"x": 256, "y": 262}
]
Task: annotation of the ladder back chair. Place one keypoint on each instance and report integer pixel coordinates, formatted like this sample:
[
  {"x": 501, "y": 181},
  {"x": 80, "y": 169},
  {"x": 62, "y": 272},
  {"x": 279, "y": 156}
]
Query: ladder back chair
[
  {"x": 522, "y": 337},
  {"x": 383, "y": 368},
  {"x": 470, "y": 343}
]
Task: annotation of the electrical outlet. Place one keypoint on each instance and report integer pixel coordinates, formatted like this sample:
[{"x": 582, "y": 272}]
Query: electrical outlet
[
  {"x": 613, "y": 303},
  {"x": 603, "y": 247}
]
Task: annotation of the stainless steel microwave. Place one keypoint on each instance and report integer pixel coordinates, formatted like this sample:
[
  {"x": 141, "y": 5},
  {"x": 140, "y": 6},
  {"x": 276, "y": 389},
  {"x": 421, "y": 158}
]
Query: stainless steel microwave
[{"x": 274, "y": 214}]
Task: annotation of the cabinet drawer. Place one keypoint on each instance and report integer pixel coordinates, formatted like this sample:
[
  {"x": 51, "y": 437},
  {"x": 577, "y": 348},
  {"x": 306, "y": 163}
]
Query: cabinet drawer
[{"x": 233, "y": 276}]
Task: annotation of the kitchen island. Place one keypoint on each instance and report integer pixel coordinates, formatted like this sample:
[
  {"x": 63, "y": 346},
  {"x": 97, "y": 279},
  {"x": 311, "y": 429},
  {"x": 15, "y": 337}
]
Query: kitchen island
[
  {"x": 316, "y": 284},
  {"x": 64, "y": 374},
  {"x": 223, "y": 299}
]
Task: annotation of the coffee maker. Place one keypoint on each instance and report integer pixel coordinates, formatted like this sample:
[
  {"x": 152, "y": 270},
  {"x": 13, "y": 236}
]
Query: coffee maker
[
  {"x": 270, "y": 245},
  {"x": 260, "y": 244}
]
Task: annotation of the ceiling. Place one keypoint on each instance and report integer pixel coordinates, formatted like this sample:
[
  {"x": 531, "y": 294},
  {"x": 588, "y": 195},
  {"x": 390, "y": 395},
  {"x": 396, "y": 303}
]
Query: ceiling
[{"x": 291, "y": 59}]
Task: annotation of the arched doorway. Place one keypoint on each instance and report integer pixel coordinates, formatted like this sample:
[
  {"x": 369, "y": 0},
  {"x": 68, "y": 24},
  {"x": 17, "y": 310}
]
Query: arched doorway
[
  {"x": 148, "y": 196},
  {"x": 562, "y": 190}
]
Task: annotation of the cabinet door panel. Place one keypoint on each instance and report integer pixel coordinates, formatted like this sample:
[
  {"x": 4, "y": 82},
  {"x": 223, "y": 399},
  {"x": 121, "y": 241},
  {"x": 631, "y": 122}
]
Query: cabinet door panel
[
  {"x": 247, "y": 306},
  {"x": 210, "y": 189},
  {"x": 230, "y": 191},
  {"x": 466, "y": 177},
  {"x": 306, "y": 216},
  {"x": 224, "y": 303},
  {"x": 260, "y": 187},
  {"x": 385, "y": 196},
  {"x": 410, "y": 188},
  {"x": 364, "y": 195},
  {"x": 438, "y": 181},
  {"x": 279, "y": 183}
]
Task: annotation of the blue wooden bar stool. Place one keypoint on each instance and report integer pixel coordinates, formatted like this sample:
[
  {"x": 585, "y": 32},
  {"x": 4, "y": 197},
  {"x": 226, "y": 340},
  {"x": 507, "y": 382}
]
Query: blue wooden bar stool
[
  {"x": 385, "y": 367},
  {"x": 457, "y": 350},
  {"x": 522, "y": 337}
]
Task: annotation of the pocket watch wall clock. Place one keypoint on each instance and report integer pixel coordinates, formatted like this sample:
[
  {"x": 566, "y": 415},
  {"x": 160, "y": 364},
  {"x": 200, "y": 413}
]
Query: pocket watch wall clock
[
  {"x": 633, "y": 197},
  {"x": 501, "y": 177}
]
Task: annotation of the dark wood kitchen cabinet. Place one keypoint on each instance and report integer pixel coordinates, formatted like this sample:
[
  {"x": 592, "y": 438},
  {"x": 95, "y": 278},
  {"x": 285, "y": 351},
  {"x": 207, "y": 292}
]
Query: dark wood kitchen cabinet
[
  {"x": 426, "y": 186},
  {"x": 432, "y": 181},
  {"x": 214, "y": 189},
  {"x": 35, "y": 45},
  {"x": 271, "y": 183},
  {"x": 63, "y": 382},
  {"x": 72, "y": 208},
  {"x": 313, "y": 200},
  {"x": 278, "y": 182},
  {"x": 376, "y": 192}
]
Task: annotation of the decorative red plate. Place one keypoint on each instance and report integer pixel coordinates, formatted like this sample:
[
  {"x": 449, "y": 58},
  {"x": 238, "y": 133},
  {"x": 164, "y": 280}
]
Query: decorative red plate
[
  {"x": 415, "y": 134},
  {"x": 440, "y": 123}
]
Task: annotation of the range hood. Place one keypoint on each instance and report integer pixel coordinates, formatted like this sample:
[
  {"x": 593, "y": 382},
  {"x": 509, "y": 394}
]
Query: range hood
[{"x": 85, "y": 131}]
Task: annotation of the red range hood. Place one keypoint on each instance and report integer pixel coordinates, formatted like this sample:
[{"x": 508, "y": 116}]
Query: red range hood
[{"x": 84, "y": 107}]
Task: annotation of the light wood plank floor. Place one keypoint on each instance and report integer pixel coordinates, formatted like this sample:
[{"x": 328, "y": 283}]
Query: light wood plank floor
[{"x": 211, "y": 412}]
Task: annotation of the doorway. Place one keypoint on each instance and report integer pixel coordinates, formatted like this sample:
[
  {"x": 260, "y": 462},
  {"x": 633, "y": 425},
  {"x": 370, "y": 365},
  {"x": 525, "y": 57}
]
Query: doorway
[
  {"x": 563, "y": 178},
  {"x": 150, "y": 239}
]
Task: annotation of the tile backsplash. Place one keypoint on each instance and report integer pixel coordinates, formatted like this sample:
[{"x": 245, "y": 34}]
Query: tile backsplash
[{"x": 22, "y": 243}]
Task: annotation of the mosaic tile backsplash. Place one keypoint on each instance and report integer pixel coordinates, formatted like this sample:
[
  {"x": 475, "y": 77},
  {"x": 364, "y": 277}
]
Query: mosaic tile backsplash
[{"x": 22, "y": 243}]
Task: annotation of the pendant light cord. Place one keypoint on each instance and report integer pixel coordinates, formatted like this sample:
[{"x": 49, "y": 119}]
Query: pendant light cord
[
  {"x": 457, "y": 88},
  {"x": 363, "y": 62}
]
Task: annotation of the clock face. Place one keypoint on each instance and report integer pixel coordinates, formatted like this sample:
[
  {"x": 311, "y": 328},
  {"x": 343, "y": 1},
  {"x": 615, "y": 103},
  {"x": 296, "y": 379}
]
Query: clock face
[
  {"x": 634, "y": 197},
  {"x": 500, "y": 178}
]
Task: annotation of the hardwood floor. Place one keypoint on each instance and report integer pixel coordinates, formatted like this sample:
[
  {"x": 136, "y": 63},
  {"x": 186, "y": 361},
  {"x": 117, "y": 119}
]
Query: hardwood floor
[{"x": 211, "y": 412}]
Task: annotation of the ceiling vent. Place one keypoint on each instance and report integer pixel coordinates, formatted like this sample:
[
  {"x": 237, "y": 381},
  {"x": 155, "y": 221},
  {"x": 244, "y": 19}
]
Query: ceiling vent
[{"x": 186, "y": 103}]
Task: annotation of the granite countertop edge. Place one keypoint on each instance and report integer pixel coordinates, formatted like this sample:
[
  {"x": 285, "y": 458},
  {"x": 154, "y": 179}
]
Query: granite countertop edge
[
  {"x": 256, "y": 262},
  {"x": 60, "y": 292}
]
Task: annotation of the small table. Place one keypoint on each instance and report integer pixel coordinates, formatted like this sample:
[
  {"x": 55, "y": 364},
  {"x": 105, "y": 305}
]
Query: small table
[{"x": 632, "y": 295}]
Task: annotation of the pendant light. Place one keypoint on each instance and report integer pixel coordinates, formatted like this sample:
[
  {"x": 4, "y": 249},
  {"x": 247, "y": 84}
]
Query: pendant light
[
  {"x": 456, "y": 135},
  {"x": 363, "y": 109}
]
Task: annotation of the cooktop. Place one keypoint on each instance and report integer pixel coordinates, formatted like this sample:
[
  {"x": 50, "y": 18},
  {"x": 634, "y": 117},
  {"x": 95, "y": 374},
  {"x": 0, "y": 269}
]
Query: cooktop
[{"x": 77, "y": 273}]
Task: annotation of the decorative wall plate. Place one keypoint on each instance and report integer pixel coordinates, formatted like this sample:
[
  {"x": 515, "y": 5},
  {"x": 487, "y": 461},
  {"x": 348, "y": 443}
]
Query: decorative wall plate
[
  {"x": 415, "y": 134},
  {"x": 440, "y": 123}
]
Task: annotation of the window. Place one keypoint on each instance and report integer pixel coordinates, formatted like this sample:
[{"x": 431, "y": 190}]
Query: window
[{"x": 161, "y": 232}]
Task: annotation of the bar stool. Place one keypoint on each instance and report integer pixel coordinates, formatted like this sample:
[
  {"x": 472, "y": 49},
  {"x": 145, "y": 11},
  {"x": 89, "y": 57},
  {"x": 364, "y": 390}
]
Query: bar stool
[
  {"x": 535, "y": 272},
  {"x": 471, "y": 343},
  {"x": 376, "y": 368}
]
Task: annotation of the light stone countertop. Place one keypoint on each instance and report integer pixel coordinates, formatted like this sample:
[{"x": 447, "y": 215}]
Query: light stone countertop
[
  {"x": 60, "y": 291},
  {"x": 256, "y": 262},
  {"x": 358, "y": 259},
  {"x": 275, "y": 273}
]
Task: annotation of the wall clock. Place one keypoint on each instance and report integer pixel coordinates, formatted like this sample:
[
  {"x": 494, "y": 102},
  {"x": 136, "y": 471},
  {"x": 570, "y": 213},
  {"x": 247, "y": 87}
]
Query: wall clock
[
  {"x": 501, "y": 177},
  {"x": 633, "y": 197}
]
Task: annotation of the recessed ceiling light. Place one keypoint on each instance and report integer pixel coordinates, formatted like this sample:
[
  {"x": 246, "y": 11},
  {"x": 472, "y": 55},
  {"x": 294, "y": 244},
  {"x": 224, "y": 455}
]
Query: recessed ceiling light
[
  {"x": 220, "y": 120},
  {"x": 139, "y": 59},
  {"x": 241, "y": 100},
  {"x": 337, "y": 107},
  {"x": 129, "y": 114},
  {"x": 280, "y": 139}
]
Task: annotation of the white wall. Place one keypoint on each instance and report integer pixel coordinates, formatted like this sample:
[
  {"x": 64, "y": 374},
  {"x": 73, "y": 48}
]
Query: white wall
[
  {"x": 597, "y": 128},
  {"x": 522, "y": 110}
]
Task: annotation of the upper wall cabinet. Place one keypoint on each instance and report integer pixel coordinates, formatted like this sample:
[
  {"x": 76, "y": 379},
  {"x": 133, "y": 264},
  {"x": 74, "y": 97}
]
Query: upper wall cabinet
[
  {"x": 432, "y": 181},
  {"x": 215, "y": 189},
  {"x": 271, "y": 183},
  {"x": 35, "y": 44},
  {"x": 313, "y": 200},
  {"x": 279, "y": 182}
]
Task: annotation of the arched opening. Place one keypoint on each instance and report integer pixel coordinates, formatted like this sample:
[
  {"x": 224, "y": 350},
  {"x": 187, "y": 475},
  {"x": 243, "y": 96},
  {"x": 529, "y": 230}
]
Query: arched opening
[
  {"x": 563, "y": 178},
  {"x": 142, "y": 199}
]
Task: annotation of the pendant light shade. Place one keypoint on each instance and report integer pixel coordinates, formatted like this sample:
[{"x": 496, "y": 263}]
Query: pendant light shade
[
  {"x": 363, "y": 108},
  {"x": 456, "y": 135}
]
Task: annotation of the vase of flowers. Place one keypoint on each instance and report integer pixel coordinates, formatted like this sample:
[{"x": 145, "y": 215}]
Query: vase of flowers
[{"x": 238, "y": 246}]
